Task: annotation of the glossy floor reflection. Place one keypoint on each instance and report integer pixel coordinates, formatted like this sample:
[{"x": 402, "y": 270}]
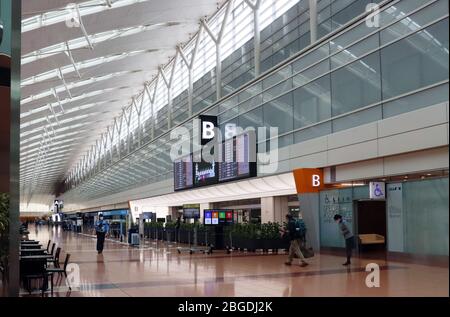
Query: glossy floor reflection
[{"x": 158, "y": 270}]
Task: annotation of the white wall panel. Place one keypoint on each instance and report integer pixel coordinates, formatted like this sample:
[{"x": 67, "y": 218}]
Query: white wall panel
[
  {"x": 360, "y": 170},
  {"x": 413, "y": 120},
  {"x": 434, "y": 159},
  {"x": 352, "y": 153},
  {"x": 434, "y": 136},
  {"x": 355, "y": 135}
]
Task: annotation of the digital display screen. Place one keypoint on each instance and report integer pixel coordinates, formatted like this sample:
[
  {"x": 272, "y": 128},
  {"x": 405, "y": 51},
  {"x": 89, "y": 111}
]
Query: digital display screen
[
  {"x": 236, "y": 159},
  {"x": 205, "y": 173},
  {"x": 208, "y": 218},
  {"x": 182, "y": 173},
  {"x": 218, "y": 217},
  {"x": 191, "y": 213}
]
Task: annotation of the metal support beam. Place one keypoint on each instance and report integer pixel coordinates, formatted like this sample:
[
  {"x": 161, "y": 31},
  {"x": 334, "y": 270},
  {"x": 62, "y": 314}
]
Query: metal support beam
[
  {"x": 218, "y": 40},
  {"x": 169, "y": 82},
  {"x": 139, "y": 112},
  {"x": 55, "y": 94},
  {"x": 83, "y": 29},
  {"x": 257, "y": 34},
  {"x": 119, "y": 130},
  {"x": 313, "y": 20},
  {"x": 61, "y": 76},
  {"x": 190, "y": 66},
  {"x": 69, "y": 54},
  {"x": 127, "y": 118},
  {"x": 105, "y": 146},
  {"x": 110, "y": 133},
  {"x": 152, "y": 98}
]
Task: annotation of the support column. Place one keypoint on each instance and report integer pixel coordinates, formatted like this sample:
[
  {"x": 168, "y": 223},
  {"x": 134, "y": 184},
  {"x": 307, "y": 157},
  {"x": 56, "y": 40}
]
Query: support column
[
  {"x": 281, "y": 208},
  {"x": 257, "y": 44},
  {"x": 257, "y": 34},
  {"x": 274, "y": 209},
  {"x": 267, "y": 209},
  {"x": 218, "y": 72},
  {"x": 12, "y": 96},
  {"x": 190, "y": 65},
  {"x": 310, "y": 210},
  {"x": 313, "y": 20},
  {"x": 218, "y": 41}
]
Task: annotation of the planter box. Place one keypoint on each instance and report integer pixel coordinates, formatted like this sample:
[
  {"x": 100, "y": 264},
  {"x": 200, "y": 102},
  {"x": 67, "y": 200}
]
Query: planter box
[
  {"x": 259, "y": 244},
  {"x": 170, "y": 235},
  {"x": 186, "y": 237}
]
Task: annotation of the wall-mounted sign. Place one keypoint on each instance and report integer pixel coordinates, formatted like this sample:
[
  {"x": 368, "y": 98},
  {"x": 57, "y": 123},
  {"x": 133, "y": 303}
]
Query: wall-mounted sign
[
  {"x": 183, "y": 173},
  {"x": 218, "y": 160},
  {"x": 308, "y": 180},
  {"x": 377, "y": 190},
  {"x": 207, "y": 130}
]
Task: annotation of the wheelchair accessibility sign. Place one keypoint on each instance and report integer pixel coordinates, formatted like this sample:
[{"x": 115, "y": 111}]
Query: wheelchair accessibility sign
[{"x": 377, "y": 190}]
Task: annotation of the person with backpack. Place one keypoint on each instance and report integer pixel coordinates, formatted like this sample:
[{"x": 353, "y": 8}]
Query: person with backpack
[
  {"x": 294, "y": 234},
  {"x": 101, "y": 229},
  {"x": 348, "y": 236}
]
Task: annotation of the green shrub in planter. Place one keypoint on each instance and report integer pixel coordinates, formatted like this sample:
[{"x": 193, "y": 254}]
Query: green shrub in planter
[
  {"x": 257, "y": 236},
  {"x": 4, "y": 226},
  {"x": 4, "y": 213}
]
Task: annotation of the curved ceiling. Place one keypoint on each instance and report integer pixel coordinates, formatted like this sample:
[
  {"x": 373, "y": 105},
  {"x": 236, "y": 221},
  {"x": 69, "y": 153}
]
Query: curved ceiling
[{"x": 72, "y": 91}]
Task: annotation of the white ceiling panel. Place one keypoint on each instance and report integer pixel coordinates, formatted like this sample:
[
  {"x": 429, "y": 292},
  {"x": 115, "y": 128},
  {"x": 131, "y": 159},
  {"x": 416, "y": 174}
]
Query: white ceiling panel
[{"x": 52, "y": 139}]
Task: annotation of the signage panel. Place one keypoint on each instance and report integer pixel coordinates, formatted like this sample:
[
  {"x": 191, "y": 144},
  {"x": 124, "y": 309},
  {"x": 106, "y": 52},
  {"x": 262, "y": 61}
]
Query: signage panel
[
  {"x": 377, "y": 190},
  {"x": 218, "y": 217},
  {"x": 308, "y": 180}
]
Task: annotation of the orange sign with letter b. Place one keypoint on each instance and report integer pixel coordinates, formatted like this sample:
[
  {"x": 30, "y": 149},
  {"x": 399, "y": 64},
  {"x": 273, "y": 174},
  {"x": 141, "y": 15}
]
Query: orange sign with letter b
[{"x": 308, "y": 180}]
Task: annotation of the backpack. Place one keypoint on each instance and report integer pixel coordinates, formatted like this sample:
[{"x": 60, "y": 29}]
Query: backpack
[{"x": 300, "y": 229}]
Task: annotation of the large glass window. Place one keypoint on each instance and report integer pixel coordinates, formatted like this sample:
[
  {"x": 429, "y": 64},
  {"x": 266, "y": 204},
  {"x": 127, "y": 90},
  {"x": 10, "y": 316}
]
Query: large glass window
[
  {"x": 312, "y": 102},
  {"x": 425, "y": 208},
  {"x": 279, "y": 113},
  {"x": 356, "y": 85},
  {"x": 416, "y": 61}
]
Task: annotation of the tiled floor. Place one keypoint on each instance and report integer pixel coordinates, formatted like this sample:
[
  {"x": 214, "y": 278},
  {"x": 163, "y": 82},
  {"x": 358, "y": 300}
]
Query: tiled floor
[{"x": 158, "y": 270}]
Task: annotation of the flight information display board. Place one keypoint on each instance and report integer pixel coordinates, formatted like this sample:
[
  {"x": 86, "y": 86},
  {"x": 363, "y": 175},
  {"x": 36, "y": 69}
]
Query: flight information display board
[
  {"x": 218, "y": 217},
  {"x": 183, "y": 173},
  {"x": 236, "y": 159}
]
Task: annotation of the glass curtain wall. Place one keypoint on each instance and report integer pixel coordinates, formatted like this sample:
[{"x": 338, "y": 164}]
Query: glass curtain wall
[
  {"x": 424, "y": 214},
  {"x": 359, "y": 75},
  {"x": 338, "y": 201}
]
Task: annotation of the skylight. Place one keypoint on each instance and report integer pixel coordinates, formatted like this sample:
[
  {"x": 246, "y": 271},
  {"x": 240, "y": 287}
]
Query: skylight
[
  {"x": 70, "y": 11},
  {"x": 82, "y": 42},
  {"x": 67, "y": 69}
]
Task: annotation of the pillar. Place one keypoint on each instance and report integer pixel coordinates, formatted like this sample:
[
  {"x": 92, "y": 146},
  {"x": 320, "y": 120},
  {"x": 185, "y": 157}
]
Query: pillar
[
  {"x": 274, "y": 209},
  {"x": 313, "y": 20},
  {"x": 309, "y": 207}
]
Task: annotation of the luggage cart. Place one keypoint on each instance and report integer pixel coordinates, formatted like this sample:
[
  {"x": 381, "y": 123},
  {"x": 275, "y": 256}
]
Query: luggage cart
[{"x": 207, "y": 249}]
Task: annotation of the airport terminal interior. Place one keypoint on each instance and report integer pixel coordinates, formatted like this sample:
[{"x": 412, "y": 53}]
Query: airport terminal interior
[{"x": 232, "y": 148}]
